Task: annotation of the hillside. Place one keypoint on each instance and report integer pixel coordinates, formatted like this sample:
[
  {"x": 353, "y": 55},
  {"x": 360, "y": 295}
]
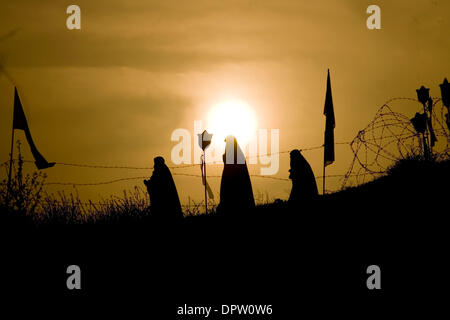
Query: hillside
[{"x": 397, "y": 221}]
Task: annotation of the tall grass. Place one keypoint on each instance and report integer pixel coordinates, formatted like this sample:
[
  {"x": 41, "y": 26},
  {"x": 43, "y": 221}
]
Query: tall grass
[
  {"x": 26, "y": 198},
  {"x": 25, "y": 190}
]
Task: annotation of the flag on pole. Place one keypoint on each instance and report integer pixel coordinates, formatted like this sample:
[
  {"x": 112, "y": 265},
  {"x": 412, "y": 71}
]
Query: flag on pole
[
  {"x": 329, "y": 125},
  {"x": 20, "y": 122}
]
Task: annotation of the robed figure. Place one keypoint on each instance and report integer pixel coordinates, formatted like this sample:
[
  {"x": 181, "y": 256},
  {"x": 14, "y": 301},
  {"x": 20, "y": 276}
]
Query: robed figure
[
  {"x": 164, "y": 200},
  {"x": 236, "y": 194},
  {"x": 304, "y": 187}
]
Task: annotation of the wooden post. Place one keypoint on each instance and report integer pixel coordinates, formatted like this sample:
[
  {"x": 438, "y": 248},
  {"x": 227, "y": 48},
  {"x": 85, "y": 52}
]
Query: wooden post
[{"x": 204, "y": 181}]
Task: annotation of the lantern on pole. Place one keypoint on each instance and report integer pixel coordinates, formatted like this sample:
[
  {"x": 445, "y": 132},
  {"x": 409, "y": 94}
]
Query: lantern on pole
[
  {"x": 423, "y": 95},
  {"x": 204, "y": 140},
  {"x": 445, "y": 94},
  {"x": 419, "y": 123}
]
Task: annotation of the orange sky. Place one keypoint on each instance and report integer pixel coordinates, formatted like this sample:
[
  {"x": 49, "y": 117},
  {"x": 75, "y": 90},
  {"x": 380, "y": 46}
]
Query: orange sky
[{"x": 113, "y": 92}]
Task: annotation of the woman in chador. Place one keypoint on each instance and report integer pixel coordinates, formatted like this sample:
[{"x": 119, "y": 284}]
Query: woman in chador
[
  {"x": 236, "y": 194},
  {"x": 164, "y": 200},
  {"x": 304, "y": 187}
]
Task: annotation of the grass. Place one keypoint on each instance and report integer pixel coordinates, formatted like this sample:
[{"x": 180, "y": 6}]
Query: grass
[{"x": 410, "y": 183}]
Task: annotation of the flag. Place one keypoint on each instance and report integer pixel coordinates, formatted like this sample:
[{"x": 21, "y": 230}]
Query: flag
[
  {"x": 20, "y": 122},
  {"x": 329, "y": 125}
]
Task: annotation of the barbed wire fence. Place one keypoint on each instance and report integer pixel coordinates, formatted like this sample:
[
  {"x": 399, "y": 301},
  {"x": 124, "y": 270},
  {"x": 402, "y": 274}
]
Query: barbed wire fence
[
  {"x": 389, "y": 137},
  {"x": 170, "y": 167}
]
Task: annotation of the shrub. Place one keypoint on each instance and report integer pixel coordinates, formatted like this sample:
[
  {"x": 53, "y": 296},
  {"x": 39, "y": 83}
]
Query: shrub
[{"x": 24, "y": 193}]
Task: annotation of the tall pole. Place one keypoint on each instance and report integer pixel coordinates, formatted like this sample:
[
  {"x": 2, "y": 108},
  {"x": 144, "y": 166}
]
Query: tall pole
[
  {"x": 204, "y": 181},
  {"x": 428, "y": 134},
  {"x": 426, "y": 151},
  {"x": 10, "y": 167}
]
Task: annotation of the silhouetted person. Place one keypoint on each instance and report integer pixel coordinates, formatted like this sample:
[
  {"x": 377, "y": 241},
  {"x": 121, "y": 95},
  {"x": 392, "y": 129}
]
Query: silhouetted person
[
  {"x": 236, "y": 194},
  {"x": 304, "y": 187},
  {"x": 164, "y": 201}
]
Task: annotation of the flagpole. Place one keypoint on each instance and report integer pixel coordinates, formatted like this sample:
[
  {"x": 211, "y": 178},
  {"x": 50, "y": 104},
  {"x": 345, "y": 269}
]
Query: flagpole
[{"x": 10, "y": 166}]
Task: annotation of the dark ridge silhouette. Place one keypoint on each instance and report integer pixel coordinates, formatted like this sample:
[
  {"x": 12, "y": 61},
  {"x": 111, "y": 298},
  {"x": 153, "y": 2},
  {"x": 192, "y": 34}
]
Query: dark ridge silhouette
[
  {"x": 398, "y": 222},
  {"x": 413, "y": 187},
  {"x": 304, "y": 187},
  {"x": 236, "y": 194},
  {"x": 164, "y": 200}
]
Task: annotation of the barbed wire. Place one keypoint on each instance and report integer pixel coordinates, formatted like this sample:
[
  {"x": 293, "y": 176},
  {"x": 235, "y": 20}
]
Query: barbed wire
[
  {"x": 170, "y": 167},
  {"x": 93, "y": 166},
  {"x": 176, "y": 174},
  {"x": 144, "y": 177},
  {"x": 390, "y": 136}
]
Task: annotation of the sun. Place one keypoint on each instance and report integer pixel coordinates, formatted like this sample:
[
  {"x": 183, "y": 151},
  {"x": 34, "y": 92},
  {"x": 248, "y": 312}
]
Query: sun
[{"x": 232, "y": 117}]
